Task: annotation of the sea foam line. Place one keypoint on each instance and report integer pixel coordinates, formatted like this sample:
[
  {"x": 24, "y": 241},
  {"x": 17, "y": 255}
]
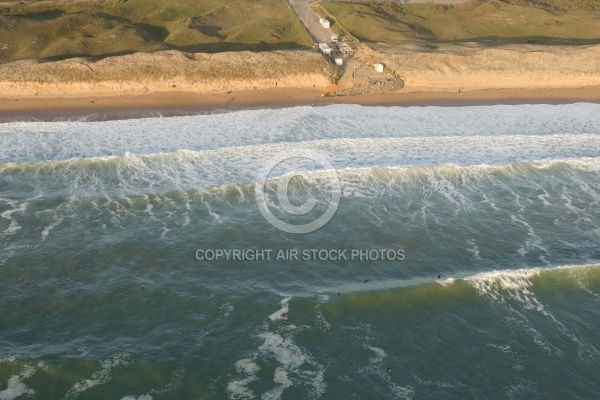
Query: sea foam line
[
  {"x": 15, "y": 385},
  {"x": 293, "y": 365},
  {"x": 98, "y": 377},
  {"x": 30, "y": 141},
  {"x": 502, "y": 286}
]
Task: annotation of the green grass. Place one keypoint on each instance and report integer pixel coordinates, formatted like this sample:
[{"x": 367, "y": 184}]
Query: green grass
[
  {"x": 112, "y": 27},
  {"x": 494, "y": 22}
]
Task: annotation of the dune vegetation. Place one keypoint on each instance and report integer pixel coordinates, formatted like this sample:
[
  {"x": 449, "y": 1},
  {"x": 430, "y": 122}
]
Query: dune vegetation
[
  {"x": 495, "y": 22},
  {"x": 168, "y": 70},
  {"x": 60, "y": 30}
]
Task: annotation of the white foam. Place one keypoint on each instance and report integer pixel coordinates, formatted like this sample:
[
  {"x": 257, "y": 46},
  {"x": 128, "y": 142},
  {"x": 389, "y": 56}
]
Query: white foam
[
  {"x": 490, "y": 202},
  {"x": 15, "y": 385},
  {"x": 321, "y": 321},
  {"x": 449, "y": 189},
  {"x": 238, "y": 388},
  {"x": 98, "y": 377},
  {"x": 294, "y": 365},
  {"x": 284, "y": 350},
  {"x": 247, "y": 366},
  {"x": 282, "y": 381},
  {"x": 581, "y": 278},
  {"x": 360, "y": 163},
  {"x": 67, "y": 156},
  {"x": 380, "y": 354},
  {"x": 142, "y": 397},
  {"x": 513, "y": 284},
  {"x": 543, "y": 198},
  {"x": 520, "y": 387},
  {"x": 216, "y": 217},
  {"x": 226, "y": 309},
  {"x": 446, "y": 281},
  {"x": 473, "y": 249},
  {"x": 504, "y": 348},
  {"x": 62, "y": 140},
  {"x": 502, "y": 286},
  {"x": 285, "y": 308},
  {"x": 440, "y": 384},
  {"x": 149, "y": 206},
  {"x": 317, "y": 381},
  {"x": 323, "y": 298},
  {"x": 50, "y": 227},
  {"x": 18, "y": 207}
]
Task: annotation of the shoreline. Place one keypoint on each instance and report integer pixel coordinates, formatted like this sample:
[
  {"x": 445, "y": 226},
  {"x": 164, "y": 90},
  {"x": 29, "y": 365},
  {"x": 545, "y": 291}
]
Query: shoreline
[{"x": 124, "y": 106}]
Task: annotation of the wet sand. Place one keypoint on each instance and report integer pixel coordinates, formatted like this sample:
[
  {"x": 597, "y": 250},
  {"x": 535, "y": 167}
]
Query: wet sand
[{"x": 185, "y": 103}]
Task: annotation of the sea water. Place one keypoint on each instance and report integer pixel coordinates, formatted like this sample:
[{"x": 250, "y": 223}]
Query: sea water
[{"x": 502, "y": 202}]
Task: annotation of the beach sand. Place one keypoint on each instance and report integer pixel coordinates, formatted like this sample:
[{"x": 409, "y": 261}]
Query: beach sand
[
  {"x": 292, "y": 97},
  {"x": 189, "y": 83},
  {"x": 180, "y": 103}
]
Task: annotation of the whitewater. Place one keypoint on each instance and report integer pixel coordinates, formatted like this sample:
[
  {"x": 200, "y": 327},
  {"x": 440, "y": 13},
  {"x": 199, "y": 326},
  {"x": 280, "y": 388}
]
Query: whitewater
[{"x": 495, "y": 210}]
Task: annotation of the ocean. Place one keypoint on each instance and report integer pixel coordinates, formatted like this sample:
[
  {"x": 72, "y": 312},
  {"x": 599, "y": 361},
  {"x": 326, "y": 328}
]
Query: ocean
[{"x": 326, "y": 252}]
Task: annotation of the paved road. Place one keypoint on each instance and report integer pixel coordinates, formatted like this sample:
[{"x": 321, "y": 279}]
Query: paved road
[
  {"x": 363, "y": 74},
  {"x": 314, "y": 27}
]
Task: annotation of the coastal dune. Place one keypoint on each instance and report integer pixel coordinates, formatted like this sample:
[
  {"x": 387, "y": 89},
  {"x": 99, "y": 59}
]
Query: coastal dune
[
  {"x": 167, "y": 71},
  {"x": 472, "y": 67},
  {"x": 174, "y": 79},
  {"x": 475, "y": 67}
]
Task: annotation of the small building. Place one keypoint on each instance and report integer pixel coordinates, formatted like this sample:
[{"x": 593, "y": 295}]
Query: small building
[
  {"x": 378, "y": 67},
  {"x": 324, "y": 48},
  {"x": 339, "y": 62},
  {"x": 324, "y": 22}
]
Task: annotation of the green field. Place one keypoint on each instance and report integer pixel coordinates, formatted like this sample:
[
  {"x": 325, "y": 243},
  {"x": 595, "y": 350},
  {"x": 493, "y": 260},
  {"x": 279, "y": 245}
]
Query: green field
[
  {"x": 493, "y": 22},
  {"x": 100, "y": 29}
]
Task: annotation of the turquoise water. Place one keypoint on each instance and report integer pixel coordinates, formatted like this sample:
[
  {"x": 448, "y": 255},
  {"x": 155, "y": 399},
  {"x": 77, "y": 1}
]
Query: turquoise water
[{"x": 501, "y": 201}]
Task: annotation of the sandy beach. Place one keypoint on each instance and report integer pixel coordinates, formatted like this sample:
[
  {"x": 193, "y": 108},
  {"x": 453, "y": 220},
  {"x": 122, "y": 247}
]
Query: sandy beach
[
  {"x": 194, "y": 82},
  {"x": 185, "y": 103},
  {"x": 292, "y": 97}
]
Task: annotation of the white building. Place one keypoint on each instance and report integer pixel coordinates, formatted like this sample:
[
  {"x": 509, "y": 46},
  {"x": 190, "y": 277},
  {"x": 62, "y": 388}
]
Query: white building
[
  {"x": 324, "y": 48},
  {"x": 378, "y": 67},
  {"x": 324, "y": 22}
]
